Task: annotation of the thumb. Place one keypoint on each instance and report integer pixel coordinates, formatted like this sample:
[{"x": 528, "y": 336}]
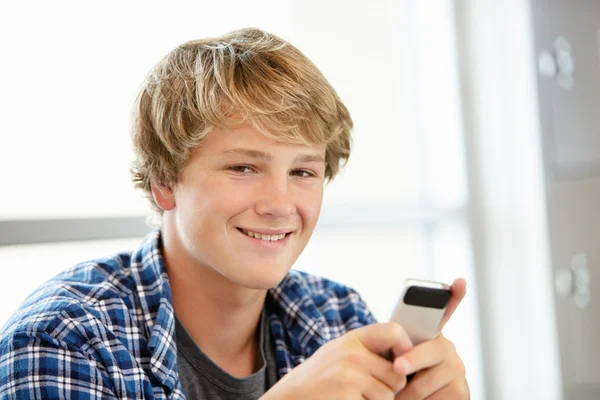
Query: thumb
[
  {"x": 380, "y": 338},
  {"x": 459, "y": 290}
]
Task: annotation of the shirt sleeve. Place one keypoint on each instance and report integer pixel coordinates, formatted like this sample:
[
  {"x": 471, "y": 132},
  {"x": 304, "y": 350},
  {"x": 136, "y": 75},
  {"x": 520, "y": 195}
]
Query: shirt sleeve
[
  {"x": 37, "y": 366},
  {"x": 363, "y": 312}
]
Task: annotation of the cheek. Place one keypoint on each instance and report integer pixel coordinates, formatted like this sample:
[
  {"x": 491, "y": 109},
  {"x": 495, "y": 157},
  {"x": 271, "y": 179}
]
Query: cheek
[
  {"x": 214, "y": 200},
  {"x": 195, "y": 206},
  {"x": 310, "y": 208},
  {"x": 230, "y": 198}
]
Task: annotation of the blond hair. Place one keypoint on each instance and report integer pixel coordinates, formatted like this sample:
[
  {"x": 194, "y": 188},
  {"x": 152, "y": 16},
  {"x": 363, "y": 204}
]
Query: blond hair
[{"x": 244, "y": 75}]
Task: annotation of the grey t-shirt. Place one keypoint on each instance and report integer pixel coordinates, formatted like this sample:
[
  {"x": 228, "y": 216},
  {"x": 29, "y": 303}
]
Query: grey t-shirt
[{"x": 201, "y": 378}]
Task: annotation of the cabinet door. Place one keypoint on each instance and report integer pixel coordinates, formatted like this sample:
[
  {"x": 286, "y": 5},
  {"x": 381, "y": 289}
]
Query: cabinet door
[{"x": 567, "y": 42}]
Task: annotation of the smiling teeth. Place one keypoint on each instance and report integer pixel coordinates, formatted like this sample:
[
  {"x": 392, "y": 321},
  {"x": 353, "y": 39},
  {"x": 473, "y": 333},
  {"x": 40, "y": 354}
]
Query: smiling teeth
[{"x": 266, "y": 238}]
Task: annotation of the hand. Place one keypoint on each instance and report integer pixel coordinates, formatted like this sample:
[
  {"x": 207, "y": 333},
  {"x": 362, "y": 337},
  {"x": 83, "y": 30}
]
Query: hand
[
  {"x": 349, "y": 367},
  {"x": 440, "y": 371}
]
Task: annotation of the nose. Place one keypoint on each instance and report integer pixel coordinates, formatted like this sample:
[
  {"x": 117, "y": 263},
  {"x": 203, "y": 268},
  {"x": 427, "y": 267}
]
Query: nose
[{"x": 275, "y": 198}]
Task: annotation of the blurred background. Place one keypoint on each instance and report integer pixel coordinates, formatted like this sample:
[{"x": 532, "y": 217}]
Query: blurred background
[{"x": 476, "y": 155}]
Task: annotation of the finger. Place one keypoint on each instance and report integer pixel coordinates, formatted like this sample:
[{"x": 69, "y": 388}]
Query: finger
[
  {"x": 383, "y": 370},
  {"x": 427, "y": 382},
  {"x": 381, "y": 337},
  {"x": 457, "y": 389},
  {"x": 459, "y": 290},
  {"x": 425, "y": 355},
  {"x": 377, "y": 390}
]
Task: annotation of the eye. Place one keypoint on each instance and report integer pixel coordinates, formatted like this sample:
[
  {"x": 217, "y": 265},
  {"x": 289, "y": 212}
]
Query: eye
[
  {"x": 242, "y": 169},
  {"x": 302, "y": 173}
]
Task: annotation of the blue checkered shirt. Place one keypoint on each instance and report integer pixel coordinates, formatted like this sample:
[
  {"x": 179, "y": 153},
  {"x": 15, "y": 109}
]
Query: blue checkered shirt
[{"x": 105, "y": 329}]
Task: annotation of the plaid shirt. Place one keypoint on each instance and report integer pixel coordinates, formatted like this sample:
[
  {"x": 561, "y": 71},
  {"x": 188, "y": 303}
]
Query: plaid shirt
[{"x": 106, "y": 329}]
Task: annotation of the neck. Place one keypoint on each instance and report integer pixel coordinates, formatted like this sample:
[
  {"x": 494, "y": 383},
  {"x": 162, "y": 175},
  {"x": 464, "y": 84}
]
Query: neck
[{"x": 220, "y": 316}]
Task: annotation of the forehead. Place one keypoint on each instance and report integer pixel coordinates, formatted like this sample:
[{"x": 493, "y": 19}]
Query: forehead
[{"x": 220, "y": 141}]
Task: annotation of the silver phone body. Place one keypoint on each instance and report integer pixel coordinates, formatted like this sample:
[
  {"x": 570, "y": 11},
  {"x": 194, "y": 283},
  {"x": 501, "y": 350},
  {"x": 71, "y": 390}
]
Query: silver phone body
[{"x": 421, "y": 321}]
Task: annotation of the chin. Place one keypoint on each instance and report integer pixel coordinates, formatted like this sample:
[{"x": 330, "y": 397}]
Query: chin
[{"x": 263, "y": 280}]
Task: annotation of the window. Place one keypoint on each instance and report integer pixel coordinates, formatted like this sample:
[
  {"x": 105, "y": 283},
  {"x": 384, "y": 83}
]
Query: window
[{"x": 398, "y": 210}]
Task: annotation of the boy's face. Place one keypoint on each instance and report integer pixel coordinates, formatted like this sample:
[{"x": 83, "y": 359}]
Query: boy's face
[{"x": 240, "y": 183}]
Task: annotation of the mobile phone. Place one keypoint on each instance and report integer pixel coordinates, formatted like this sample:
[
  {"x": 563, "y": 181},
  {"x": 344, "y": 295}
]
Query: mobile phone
[{"x": 421, "y": 307}]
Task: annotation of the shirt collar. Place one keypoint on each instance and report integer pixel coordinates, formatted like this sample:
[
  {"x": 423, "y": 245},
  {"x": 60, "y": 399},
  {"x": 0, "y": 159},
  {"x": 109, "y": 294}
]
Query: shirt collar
[
  {"x": 300, "y": 316},
  {"x": 154, "y": 292}
]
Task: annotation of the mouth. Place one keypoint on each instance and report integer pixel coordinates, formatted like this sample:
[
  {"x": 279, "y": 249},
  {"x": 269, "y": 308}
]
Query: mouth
[{"x": 273, "y": 236}]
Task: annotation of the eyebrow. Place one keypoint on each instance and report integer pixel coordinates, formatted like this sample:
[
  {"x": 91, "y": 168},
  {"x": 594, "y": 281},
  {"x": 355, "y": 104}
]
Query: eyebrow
[{"x": 263, "y": 156}]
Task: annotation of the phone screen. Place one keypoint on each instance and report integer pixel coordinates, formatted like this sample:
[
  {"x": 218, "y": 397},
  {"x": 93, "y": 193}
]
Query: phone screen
[{"x": 427, "y": 297}]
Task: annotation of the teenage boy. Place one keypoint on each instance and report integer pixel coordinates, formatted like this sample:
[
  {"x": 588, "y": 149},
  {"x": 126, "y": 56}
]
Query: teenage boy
[{"x": 234, "y": 139}]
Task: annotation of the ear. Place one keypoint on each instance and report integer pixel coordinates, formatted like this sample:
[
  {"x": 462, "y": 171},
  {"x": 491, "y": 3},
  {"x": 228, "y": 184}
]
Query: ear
[{"x": 164, "y": 197}]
